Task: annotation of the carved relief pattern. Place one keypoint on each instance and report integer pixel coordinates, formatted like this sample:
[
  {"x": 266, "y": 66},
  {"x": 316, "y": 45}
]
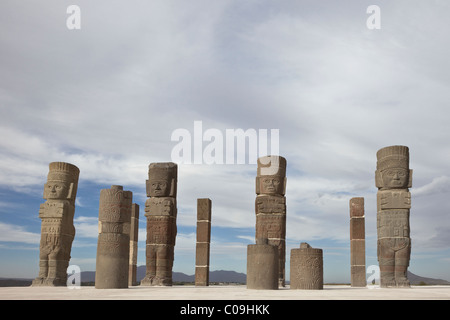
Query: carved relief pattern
[
  {"x": 161, "y": 211},
  {"x": 57, "y": 230},
  {"x": 270, "y": 206},
  {"x": 393, "y": 178},
  {"x": 113, "y": 246},
  {"x": 307, "y": 268}
]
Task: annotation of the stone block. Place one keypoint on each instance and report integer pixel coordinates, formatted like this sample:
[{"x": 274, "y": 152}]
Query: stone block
[
  {"x": 201, "y": 276},
  {"x": 358, "y": 252},
  {"x": 203, "y": 209},
  {"x": 262, "y": 267},
  {"x": 357, "y": 207},
  {"x": 306, "y": 268},
  {"x": 203, "y": 231},
  {"x": 357, "y": 228},
  {"x": 202, "y": 254},
  {"x": 113, "y": 247},
  {"x": 358, "y": 276}
]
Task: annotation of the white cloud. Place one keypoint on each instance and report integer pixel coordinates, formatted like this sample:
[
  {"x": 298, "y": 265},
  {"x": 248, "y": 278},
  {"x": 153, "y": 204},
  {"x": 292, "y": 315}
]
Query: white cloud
[
  {"x": 14, "y": 233},
  {"x": 86, "y": 227},
  {"x": 437, "y": 185}
]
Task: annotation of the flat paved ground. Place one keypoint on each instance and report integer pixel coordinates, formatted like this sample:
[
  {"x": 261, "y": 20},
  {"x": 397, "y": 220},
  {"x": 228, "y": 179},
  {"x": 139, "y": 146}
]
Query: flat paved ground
[{"x": 231, "y": 292}]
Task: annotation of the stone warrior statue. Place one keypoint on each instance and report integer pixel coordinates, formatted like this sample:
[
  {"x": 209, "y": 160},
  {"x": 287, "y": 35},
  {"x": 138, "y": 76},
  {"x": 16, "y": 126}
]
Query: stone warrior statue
[
  {"x": 270, "y": 207},
  {"x": 161, "y": 213},
  {"x": 57, "y": 230},
  {"x": 393, "y": 178}
]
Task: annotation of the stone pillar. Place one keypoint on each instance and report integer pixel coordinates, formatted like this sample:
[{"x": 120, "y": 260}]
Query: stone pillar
[
  {"x": 57, "y": 229},
  {"x": 306, "y": 268},
  {"x": 393, "y": 178},
  {"x": 161, "y": 213},
  {"x": 357, "y": 243},
  {"x": 270, "y": 207},
  {"x": 113, "y": 247},
  {"x": 203, "y": 242},
  {"x": 262, "y": 266},
  {"x": 134, "y": 232}
]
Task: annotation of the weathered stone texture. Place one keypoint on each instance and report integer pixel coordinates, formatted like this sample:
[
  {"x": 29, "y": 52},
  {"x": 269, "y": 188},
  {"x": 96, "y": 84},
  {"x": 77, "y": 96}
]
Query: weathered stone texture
[
  {"x": 161, "y": 213},
  {"x": 357, "y": 243},
  {"x": 262, "y": 266},
  {"x": 113, "y": 247},
  {"x": 203, "y": 242},
  {"x": 57, "y": 229},
  {"x": 306, "y": 268},
  {"x": 393, "y": 178},
  {"x": 270, "y": 207},
  {"x": 134, "y": 232}
]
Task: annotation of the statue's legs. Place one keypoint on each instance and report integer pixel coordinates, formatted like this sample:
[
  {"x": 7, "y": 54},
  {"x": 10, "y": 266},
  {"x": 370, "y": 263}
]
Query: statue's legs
[
  {"x": 164, "y": 265},
  {"x": 58, "y": 261},
  {"x": 402, "y": 257},
  {"x": 386, "y": 260},
  {"x": 150, "y": 274},
  {"x": 43, "y": 271},
  {"x": 57, "y": 273}
]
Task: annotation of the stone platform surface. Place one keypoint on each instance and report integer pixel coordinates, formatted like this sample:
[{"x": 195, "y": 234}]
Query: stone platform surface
[{"x": 225, "y": 292}]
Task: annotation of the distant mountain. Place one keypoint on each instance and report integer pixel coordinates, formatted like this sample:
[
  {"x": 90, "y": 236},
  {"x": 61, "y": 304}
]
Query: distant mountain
[
  {"x": 214, "y": 276},
  {"x": 417, "y": 280},
  {"x": 227, "y": 276},
  {"x": 87, "y": 276},
  {"x": 5, "y": 282}
]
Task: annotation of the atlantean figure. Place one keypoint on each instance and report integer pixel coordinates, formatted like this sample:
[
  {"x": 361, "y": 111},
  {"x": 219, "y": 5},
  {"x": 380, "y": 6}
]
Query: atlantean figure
[
  {"x": 161, "y": 213},
  {"x": 113, "y": 246},
  {"x": 393, "y": 178},
  {"x": 57, "y": 230},
  {"x": 270, "y": 207}
]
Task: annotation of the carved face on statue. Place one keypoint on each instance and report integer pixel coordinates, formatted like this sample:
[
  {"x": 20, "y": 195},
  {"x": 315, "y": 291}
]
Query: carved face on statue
[
  {"x": 162, "y": 180},
  {"x": 159, "y": 188},
  {"x": 54, "y": 189},
  {"x": 395, "y": 178},
  {"x": 271, "y": 185},
  {"x": 62, "y": 180},
  {"x": 393, "y": 168}
]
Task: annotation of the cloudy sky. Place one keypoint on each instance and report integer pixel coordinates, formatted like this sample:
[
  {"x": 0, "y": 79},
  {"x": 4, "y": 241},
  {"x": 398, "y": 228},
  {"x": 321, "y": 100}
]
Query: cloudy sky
[{"x": 108, "y": 97}]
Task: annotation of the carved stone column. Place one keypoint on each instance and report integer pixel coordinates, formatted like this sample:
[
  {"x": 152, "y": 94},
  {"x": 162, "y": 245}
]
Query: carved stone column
[
  {"x": 262, "y": 266},
  {"x": 203, "y": 242},
  {"x": 306, "y": 268},
  {"x": 113, "y": 248},
  {"x": 357, "y": 243},
  {"x": 134, "y": 233}
]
